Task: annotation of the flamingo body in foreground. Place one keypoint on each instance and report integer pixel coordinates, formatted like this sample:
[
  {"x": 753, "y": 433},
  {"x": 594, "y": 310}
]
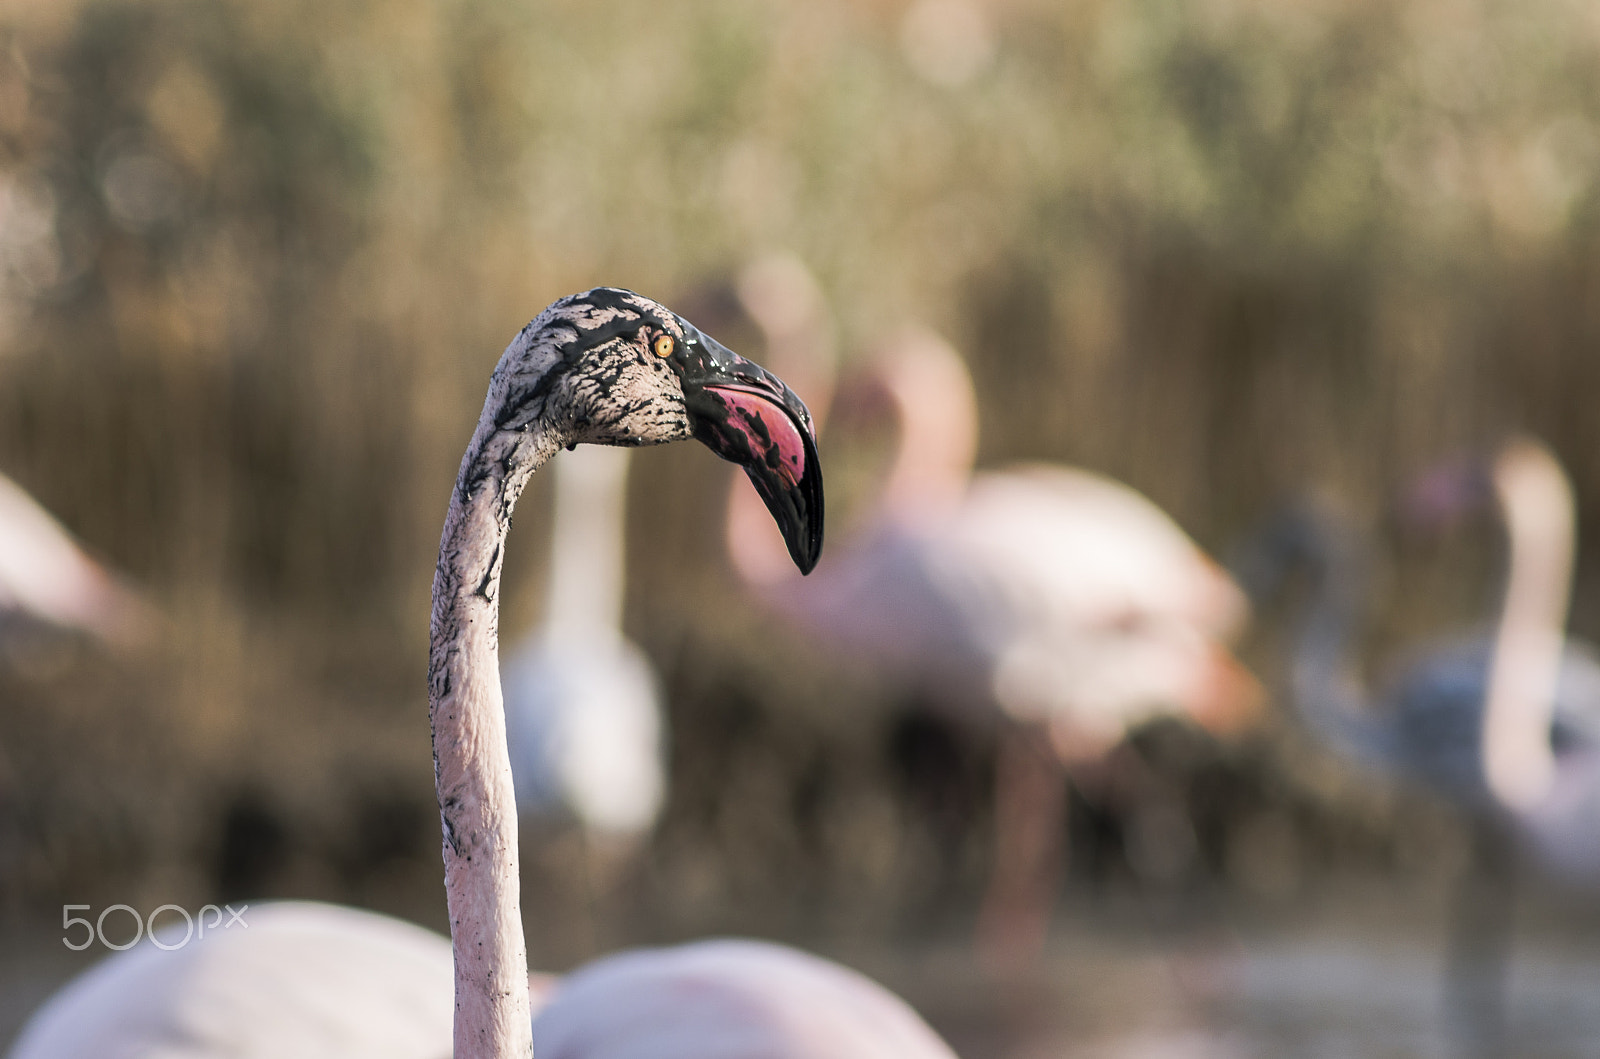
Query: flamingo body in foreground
[
  {"x": 297, "y": 979},
  {"x": 727, "y": 999}
]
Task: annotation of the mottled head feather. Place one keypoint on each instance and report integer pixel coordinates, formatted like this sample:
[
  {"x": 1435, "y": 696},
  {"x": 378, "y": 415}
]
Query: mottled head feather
[{"x": 584, "y": 371}]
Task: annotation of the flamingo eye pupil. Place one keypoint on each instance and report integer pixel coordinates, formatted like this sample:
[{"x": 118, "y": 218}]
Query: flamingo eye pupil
[{"x": 663, "y": 345}]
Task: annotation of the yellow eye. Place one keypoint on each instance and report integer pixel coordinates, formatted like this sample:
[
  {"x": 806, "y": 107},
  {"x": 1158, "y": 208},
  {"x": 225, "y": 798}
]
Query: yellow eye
[{"x": 663, "y": 345}]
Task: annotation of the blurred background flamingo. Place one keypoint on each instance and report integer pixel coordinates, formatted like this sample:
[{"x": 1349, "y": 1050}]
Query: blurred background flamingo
[
  {"x": 50, "y": 585},
  {"x": 1063, "y": 602},
  {"x": 583, "y": 709},
  {"x": 1504, "y": 723},
  {"x": 46, "y": 577}
]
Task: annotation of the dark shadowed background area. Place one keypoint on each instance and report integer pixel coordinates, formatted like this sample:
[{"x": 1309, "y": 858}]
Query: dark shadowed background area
[{"x": 257, "y": 261}]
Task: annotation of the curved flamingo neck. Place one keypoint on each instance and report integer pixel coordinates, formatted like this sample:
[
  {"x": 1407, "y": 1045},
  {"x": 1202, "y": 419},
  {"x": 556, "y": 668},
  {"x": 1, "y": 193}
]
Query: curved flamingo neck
[
  {"x": 1535, "y": 500},
  {"x": 472, "y": 767},
  {"x": 937, "y": 408}
]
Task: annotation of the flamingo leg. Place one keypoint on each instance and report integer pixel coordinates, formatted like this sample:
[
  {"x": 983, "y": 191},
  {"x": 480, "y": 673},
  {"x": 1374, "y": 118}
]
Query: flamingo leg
[
  {"x": 1030, "y": 818},
  {"x": 1480, "y": 942}
]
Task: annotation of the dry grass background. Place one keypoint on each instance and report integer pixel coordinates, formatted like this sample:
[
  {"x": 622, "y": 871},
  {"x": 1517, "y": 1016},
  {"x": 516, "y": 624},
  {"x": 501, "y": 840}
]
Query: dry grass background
[{"x": 256, "y": 261}]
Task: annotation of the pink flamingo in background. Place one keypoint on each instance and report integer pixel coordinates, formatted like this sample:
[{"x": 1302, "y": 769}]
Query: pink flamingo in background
[
  {"x": 45, "y": 576},
  {"x": 1057, "y": 599}
]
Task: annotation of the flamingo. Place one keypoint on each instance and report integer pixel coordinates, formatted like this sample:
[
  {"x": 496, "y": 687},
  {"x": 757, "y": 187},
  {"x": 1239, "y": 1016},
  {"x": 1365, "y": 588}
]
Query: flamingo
[
  {"x": 607, "y": 367},
  {"x": 1505, "y": 724},
  {"x": 1061, "y": 602},
  {"x": 45, "y": 576},
  {"x": 46, "y": 579},
  {"x": 727, "y": 999},
  {"x": 298, "y": 979},
  {"x": 583, "y": 709}
]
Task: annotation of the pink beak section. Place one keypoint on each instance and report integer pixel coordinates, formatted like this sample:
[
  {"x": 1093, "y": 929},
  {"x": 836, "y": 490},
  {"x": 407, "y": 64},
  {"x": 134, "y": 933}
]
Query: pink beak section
[{"x": 767, "y": 430}]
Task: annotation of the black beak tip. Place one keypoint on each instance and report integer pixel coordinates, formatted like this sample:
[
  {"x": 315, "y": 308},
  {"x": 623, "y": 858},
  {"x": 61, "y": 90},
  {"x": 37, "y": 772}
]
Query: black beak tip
[
  {"x": 806, "y": 551},
  {"x": 796, "y": 508},
  {"x": 806, "y": 546}
]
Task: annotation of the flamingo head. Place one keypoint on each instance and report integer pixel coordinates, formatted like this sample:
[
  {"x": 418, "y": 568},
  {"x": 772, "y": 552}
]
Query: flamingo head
[
  {"x": 612, "y": 367},
  {"x": 1446, "y": 493},
  {"x": 1520, "y": 475}
]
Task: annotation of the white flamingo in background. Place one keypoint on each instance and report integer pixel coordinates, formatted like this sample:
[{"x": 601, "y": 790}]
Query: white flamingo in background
[
  {"x": 1505, "y": 724},
  {"x": 603, "y": 367},
  {"x": 46, "y": 577},
  {"x": 583, "y": 710},
  {"x": 1064, "y": 602}
]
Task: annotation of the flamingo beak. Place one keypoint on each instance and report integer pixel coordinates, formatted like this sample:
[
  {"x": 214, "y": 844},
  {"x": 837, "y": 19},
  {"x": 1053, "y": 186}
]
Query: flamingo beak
[
  {"x": 746, "y": 415},
  {"x": 1230, "y": 699}
]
